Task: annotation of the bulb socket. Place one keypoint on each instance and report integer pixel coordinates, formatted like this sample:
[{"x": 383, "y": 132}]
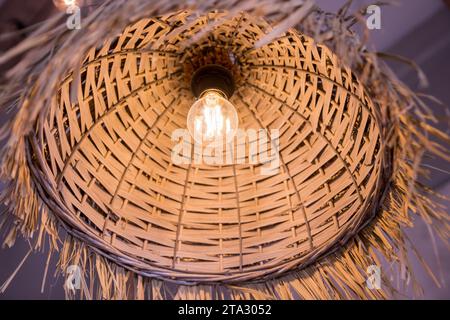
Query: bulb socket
[{"x": 212, "y": 77}]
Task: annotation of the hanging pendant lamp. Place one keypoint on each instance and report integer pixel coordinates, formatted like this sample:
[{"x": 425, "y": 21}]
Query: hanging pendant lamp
[{"x": 91, "y": 151}]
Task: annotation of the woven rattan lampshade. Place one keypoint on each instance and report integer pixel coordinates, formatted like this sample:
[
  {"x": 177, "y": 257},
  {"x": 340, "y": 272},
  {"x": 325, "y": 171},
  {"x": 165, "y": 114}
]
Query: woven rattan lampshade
[
  {"x": 107, "y": 158},
  {"x": 100, "y": 163}
]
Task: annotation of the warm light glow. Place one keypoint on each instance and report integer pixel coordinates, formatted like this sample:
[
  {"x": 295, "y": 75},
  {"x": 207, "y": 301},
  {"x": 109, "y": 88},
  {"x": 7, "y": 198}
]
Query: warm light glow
[
  {"x": 64, "y": 4},
  {"x": 212, "y": 118}
]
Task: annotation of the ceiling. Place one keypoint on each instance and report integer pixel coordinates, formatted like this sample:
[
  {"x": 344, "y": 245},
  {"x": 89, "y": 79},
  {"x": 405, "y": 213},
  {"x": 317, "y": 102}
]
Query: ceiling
[{"x": 397, "y": 20}]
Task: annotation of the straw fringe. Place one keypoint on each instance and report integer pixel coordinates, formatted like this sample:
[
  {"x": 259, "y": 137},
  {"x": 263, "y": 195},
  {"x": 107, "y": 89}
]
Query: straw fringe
[{"x": 339, "y": 275}]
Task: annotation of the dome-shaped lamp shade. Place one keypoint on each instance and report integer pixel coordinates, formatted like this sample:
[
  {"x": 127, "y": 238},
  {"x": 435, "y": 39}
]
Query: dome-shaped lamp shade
[{"x": 113, "y": 178}]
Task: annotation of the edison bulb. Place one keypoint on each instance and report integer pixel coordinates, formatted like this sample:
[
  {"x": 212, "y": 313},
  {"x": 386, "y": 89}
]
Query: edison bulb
[{"x": 212, "y": 119}]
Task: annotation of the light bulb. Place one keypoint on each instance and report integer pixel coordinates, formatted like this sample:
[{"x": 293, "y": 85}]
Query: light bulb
[{"x": 212, "y": 119}]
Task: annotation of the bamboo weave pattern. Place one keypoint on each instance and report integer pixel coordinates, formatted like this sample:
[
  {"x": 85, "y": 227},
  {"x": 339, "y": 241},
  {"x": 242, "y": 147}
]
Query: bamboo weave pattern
[{"x": 103, "y": 152}]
